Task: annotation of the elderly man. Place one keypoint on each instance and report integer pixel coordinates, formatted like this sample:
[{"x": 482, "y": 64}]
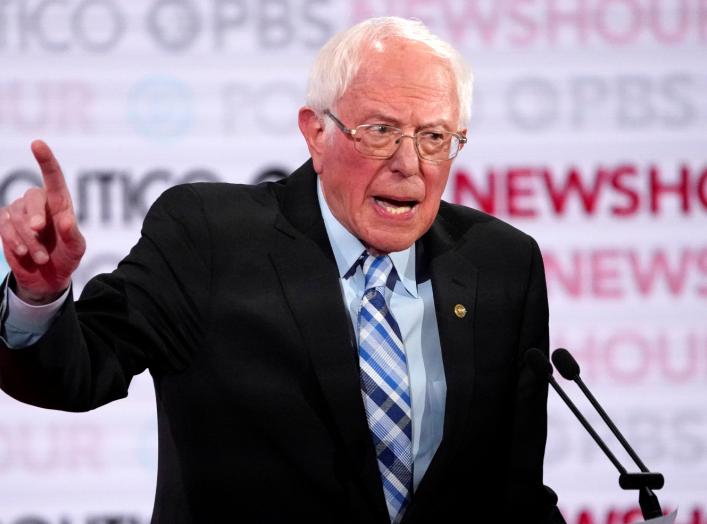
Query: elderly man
[{"x": 340, "y": 346}]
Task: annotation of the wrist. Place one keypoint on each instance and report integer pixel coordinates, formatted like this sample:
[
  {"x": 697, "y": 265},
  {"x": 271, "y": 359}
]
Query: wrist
[{"x": 36, "y": 298}]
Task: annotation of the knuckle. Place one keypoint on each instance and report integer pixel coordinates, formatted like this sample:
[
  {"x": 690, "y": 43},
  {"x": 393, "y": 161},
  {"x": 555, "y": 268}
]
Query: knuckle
[
  {"x": 33, "y": 194},
  {"x": 16, "y": 218},
  {"x": 9, "y": 235},
  {"x": 17, "y": 207}
]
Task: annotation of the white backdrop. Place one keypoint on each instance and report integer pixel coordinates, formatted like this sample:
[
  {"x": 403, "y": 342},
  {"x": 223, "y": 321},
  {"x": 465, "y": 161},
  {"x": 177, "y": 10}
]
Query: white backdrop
[{"x": 589, "y": 131}]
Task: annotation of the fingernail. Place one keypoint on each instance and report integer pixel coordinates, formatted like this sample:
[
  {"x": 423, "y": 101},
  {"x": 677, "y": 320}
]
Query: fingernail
[
  {"x": 36, "y": 221},
  {"x": 21, "y": 250},
  {"x": 40, "y": 257}
]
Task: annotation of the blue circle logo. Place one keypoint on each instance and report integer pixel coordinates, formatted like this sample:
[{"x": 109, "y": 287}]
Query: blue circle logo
[{"x": 161, "y": 107}]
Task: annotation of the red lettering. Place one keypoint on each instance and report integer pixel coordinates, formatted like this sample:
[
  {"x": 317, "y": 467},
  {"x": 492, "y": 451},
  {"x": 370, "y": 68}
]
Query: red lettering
[
  {"x": 46, "y": 106},
  {"x": 51, "y": 447},
  {"x": 474, "y": 16},
  {"x": 657, "y": 16},
  {"x": 672, "y": 356},
  {"x": 559, "y": 195},
  {"x": 633, "y": 515},
  {"x": 617, "y": 177},
  {"x": 360, "y": 11},
  {"x": 667, "y": 355},
  {"x": 587, "y": 351},
  {"x": 658, "y": 268},
  {"x": 702, "y": 20},
  {"x": 614, "y": 517},
  {"x": 464, "y": 187},
  {"x": 681, "y": 189},
  {"x": 702, "y": 188},
  {"x": 23, "y": 118},
  {"x": 618, "y": 191},
  {"x": 608, "y": 273},
  {"x": 570, "y": 280},
  {"x": 528, "y": 27},
  {"x": 585, "y": 517},
  {"x": 697, "y": 517},
  {"x": 605, "y": 275},
  {"x": 524, "y": 23},
  {"x": 517, "y": 190},
  {"x": 40, "y": 448},
  {"x": 424, "y": 10},
  {"x": 83, "y": 446},
  {"x": 627, "y": 357},
  {"x": 604, "y": 14},
  {"x": 577, "y": 19},
  {"x": 702, "y": 268}
]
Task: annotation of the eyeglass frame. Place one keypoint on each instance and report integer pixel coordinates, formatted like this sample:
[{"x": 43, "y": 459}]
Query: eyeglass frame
[{"x": 352, "y": 133}]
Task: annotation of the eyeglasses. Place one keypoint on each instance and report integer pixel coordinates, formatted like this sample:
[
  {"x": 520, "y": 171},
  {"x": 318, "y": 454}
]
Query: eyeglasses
[{"x": 382, "y": 141}]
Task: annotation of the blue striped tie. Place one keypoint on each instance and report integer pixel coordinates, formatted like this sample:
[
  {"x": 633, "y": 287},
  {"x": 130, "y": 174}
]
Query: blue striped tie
[{"x": 385, "y": 386}]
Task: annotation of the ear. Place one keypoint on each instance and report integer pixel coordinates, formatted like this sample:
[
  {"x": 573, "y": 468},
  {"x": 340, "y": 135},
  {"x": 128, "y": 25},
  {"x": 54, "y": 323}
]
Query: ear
[{"x": 312, "y": 129}]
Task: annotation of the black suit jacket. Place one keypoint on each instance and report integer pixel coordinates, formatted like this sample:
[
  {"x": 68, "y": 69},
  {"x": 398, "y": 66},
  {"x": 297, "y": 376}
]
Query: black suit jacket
[{"x": 231, "y": 299}]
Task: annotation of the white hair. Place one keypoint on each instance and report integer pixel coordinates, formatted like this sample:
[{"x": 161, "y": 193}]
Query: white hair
[{"x": 338, "y": 61}]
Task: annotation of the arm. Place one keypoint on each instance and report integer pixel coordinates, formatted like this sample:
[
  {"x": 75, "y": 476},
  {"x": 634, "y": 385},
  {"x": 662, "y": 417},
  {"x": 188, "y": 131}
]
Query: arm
[
  {"x": 150, "y": 312},
  {"x": 530, "y": 414},
  {"x": 23, "y": 324}
]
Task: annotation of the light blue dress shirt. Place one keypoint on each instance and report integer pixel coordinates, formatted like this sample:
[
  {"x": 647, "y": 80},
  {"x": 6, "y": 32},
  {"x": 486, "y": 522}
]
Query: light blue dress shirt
[{"x": 412, "y": 305}]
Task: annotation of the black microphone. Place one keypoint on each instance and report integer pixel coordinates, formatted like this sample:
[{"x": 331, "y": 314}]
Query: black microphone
[
  {"x": 539, "y": 363},
  {"x": 569, "y": 369},
  {"x": 644, "y": 481}
]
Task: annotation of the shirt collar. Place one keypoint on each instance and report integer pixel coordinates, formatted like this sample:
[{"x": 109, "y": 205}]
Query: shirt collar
[{"x": 347, "y": 248}]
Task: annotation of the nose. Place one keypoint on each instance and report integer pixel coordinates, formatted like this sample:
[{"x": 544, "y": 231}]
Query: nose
[{"x": 405, "y": 160}]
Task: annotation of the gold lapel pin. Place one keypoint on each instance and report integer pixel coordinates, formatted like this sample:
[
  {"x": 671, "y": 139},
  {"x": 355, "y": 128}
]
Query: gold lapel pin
[{"x": 460, "y": 310}]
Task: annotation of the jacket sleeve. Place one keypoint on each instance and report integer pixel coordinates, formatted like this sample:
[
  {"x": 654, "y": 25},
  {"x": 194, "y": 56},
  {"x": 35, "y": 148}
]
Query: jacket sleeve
[
  {"x": 526, "y": 489},
  {"x": 150, "y": 312}
]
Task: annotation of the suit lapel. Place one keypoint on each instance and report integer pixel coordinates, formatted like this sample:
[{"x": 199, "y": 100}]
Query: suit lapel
[
  {"x": 454, "y": 284},
  {"x": 309, "y": 276},
  {"x": 310, "y": 279},
  {"x": 454, "y": 280}
]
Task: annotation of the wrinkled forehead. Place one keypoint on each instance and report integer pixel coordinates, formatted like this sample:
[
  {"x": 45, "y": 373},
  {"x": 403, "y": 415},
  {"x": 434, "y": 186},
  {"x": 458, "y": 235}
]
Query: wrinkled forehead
[
  {"x": 409, "y": 72},
  {"x": 385, "y": 58}
]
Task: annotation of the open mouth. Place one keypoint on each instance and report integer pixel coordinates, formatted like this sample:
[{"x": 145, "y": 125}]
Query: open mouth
[{"x": 395, "y": 207}]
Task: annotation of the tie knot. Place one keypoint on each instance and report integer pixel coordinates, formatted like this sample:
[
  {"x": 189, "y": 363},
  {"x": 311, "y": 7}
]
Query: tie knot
[{"x": 377, "y": 270}]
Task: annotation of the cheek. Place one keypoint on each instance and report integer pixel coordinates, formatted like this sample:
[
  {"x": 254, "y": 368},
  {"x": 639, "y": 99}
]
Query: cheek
[
  {"x": 354, "y": 178},
  {"x": 441, "y": 177},
  {"x": 345, "y": 189},
  {"x": 436, "y": 182}
]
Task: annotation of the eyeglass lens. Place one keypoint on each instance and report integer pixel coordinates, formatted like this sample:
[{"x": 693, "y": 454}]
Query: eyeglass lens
[{"x": 383, "y": 141}]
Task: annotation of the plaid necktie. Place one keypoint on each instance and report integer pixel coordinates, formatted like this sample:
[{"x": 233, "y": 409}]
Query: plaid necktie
[{"x": 385, "y": 386}]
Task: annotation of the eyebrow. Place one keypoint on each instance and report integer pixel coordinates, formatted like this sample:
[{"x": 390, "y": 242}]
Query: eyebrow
[{"x": 378, "y": 117}]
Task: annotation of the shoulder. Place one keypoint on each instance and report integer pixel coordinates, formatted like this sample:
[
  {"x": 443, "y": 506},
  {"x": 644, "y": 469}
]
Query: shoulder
[
  {"x": 218, "y": 201},
  {"x": 222, "y": 193},
  {"x": 488, "y": 242},
  {"x": 466, "y": 224},
  {"x": 246, "y": 209}
]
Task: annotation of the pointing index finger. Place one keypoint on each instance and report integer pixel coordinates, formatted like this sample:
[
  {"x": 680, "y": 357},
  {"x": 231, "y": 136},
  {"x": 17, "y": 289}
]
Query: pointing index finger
[{"x": 51, "y": 171}]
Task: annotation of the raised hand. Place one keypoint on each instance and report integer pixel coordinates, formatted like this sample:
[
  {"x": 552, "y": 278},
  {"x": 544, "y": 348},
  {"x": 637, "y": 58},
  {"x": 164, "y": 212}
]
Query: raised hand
[{"x": 40, "y": 236}]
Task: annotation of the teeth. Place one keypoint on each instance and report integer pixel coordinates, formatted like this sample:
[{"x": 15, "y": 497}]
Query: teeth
[{"x": 393, "y": 209}]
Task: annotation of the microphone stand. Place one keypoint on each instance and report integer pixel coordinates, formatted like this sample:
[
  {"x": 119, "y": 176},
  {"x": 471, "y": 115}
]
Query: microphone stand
[{"x": 644, "y": 481}]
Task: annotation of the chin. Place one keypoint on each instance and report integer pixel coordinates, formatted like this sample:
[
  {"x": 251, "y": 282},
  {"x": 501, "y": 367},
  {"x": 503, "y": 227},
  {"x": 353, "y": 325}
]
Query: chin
[{"x": 390, "y": 245}]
